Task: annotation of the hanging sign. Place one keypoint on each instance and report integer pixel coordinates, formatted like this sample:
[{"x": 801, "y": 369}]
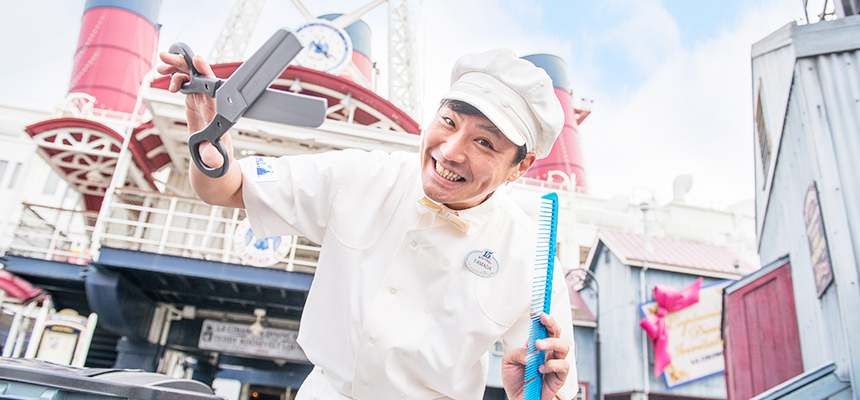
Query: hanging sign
[
  {"x": 694, "y": 343},
  {"x": 818, "y": 248},
  {"x": 230, "y": 337}
]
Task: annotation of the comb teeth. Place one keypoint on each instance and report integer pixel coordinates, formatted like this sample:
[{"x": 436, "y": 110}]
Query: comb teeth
[{"x": 541, "y": 293}]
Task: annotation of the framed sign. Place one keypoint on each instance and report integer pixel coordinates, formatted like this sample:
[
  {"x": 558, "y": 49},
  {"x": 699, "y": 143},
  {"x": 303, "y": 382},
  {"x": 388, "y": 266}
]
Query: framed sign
[
  {"x": 231, "y": 337},
  {"x": 818, "y": 249},
  {"x": 695, "y": 345}
]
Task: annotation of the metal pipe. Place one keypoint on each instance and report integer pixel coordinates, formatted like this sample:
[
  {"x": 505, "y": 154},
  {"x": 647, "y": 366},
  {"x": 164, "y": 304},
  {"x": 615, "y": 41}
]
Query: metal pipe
[
  {"x": 596, "y": 330},
  {"x": 646, "y": 382}
]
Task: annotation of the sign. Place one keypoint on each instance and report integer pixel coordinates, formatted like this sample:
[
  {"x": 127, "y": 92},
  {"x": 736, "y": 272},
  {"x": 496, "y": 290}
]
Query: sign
[
  {"x": 695, "y": 343},
  {"x": 235, "y": 338},
  {"x": 63, "y": 338},
  {"x": 258, "y": 252},
  {"x": 818, "y": 248}
]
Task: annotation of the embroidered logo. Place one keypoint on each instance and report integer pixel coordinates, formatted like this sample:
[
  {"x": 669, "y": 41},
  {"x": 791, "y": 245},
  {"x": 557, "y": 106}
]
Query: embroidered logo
[{"x": 264, "y": 171}]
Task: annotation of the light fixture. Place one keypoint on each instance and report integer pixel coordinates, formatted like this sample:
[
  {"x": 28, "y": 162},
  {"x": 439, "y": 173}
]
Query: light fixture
[
  {"x": 347, "y": 101},
  {"x": 256, "y": 328},
  {"x": 296, "y": 86}
]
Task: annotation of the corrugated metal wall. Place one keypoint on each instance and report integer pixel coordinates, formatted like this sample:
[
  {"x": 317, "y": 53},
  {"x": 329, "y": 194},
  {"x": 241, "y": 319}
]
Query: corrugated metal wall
[
  {"x": 821, "y": 144},
  {"x": 839, "y": 78}
]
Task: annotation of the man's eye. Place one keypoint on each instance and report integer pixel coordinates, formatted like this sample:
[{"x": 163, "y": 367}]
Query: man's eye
[
  {"x": 448, "y": 121},
  {"x": 486, "y": 143}
]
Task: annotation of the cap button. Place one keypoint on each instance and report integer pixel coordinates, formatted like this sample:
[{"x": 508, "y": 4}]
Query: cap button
[
  {"x": 487, "y": 88},
  {"x": 506, "y": 102}
]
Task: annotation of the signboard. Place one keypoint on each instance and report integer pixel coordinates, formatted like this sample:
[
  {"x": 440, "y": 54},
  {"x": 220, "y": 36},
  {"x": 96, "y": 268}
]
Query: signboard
[
  {"x": 235, "y": 338},
  {"x": 62, "y": 338},
  {"x": 58, "y": 344},
  {"x": 818, "y": 248},
  {"x": 695, "y": 344}
]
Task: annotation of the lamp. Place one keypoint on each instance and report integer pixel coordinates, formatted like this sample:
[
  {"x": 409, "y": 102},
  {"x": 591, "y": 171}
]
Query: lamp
[{"x": 256, "y": 328}]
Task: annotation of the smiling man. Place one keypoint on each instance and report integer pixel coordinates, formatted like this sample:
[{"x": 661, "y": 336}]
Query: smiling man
[{"x": 424, "y": 265}]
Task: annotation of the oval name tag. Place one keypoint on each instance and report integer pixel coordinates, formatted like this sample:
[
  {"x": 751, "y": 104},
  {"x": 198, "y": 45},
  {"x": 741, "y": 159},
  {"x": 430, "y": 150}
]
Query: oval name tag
[{"x": 482, "y": 263}]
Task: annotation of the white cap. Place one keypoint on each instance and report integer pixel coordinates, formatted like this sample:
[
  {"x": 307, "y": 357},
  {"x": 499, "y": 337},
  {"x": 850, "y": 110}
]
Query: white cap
[{"x": 513, "y": 93}]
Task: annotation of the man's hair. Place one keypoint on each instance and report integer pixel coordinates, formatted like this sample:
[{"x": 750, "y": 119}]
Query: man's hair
[{"x": 461, "y": 107}]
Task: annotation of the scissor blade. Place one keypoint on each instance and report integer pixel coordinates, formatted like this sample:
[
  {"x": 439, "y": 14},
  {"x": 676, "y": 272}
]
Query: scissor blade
[
  {"x": 288, "y": 108},
  {"x": 254, "y": 76}
]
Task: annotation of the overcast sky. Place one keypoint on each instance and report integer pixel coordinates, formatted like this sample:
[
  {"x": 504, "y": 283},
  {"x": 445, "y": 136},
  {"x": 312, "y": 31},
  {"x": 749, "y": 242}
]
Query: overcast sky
[{"x": 669, "y": 80}]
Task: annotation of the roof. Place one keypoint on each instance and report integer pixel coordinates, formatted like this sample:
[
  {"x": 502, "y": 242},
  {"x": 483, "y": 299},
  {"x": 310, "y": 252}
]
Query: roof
[{"x": 671, "y": 254}]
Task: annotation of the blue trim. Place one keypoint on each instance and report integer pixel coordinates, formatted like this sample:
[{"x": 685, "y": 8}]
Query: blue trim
[
  {"x": 291, "y": 375},
  {"x": 554, "y": 66},
  {"x": 44, "y": 268},
  {"x": 148, "y": 9},
  {"x": 174, "y": 265}
]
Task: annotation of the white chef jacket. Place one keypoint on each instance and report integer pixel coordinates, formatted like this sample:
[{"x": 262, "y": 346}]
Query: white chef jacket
[{"x": 393, "y": 310}]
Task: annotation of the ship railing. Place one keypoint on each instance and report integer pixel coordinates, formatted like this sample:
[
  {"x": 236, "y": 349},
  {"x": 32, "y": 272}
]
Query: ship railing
[
  {"x": 155, "y": 223},
  {"x": 54, "y": 234},
  {"x": 187, "y": 227}
]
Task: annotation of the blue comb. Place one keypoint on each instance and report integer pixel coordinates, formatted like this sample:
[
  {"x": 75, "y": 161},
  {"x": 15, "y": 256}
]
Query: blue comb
[{"x": 541, "y": 292}]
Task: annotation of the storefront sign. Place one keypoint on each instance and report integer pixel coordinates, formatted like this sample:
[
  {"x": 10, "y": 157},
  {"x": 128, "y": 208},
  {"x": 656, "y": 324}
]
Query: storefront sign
[
  {"x": 818, "y": 248},
  {"x": 695, "y": 344},
  {"x": 235, "y": 338}
]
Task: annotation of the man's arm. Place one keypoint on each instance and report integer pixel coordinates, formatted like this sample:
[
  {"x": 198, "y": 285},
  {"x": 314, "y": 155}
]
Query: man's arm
[{"x": 199, "y": 110}]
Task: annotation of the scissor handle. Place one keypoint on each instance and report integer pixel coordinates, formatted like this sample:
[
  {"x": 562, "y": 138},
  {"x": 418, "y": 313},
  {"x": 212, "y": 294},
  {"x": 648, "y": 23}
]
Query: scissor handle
[
  {"x": 211, "y": 133},
  {"x": 197, "y": 83}
]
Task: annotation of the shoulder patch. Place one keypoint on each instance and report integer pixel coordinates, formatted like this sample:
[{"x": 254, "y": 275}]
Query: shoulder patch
[{"x": 264, "y": 170}]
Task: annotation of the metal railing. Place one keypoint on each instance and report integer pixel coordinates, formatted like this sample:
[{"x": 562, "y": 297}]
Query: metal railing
[
  {"x": 54, "y": 234},
  {"x": 187, "y": 227},
  {"x": 150, "y": 222}
]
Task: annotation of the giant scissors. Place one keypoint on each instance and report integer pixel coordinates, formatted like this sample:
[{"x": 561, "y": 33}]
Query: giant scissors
[{"x": 246, "y": 93}]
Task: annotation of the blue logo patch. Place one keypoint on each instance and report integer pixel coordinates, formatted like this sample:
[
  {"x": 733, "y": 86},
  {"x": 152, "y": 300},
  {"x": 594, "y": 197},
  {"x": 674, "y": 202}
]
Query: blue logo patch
[{"x": 264, "y": 169}]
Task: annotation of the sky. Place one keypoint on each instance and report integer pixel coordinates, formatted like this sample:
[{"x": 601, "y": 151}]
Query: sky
[{"x": 668, "y": 82}]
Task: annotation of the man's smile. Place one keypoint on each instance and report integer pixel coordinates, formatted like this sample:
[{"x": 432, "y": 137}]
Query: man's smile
[{"x": 445, "y": 173}]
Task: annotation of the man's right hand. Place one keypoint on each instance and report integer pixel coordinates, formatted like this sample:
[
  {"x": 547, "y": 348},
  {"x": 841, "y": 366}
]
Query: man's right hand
[{"x": 199, "y": 110}]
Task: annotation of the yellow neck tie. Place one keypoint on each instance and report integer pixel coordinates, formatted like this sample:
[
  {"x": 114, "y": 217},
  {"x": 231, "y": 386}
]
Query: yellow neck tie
[{"x": 446, "y": 213}]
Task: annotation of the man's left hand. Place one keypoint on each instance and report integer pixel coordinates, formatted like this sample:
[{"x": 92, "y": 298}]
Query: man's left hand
[{"x": 554, "y": 369}]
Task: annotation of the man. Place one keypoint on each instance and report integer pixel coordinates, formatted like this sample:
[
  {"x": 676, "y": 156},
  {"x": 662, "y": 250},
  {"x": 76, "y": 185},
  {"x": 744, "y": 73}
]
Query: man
[{"x": 396, "y": 308}]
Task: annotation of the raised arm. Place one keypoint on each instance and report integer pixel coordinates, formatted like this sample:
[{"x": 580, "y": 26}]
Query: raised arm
[{"x": 199, "y": 110}]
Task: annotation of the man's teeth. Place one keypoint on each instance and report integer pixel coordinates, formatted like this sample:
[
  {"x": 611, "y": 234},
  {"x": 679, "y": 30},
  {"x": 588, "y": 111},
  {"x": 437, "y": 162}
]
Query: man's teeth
[{"x": 447, "y": 174}]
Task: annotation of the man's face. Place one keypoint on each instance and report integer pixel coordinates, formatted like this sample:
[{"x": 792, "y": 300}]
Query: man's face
[{"x": 465, "y": 158}]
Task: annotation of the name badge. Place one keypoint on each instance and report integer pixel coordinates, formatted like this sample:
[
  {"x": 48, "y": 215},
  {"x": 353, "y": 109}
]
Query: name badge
[{"x": 482, "y": 263}]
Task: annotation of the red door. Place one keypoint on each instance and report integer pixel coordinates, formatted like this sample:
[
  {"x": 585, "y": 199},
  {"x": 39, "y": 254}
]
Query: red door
[{"x": 761, "y": 340}]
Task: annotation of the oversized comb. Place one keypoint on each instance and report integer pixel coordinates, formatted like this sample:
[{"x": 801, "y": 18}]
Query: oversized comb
[{"x": 541, "y": 293}]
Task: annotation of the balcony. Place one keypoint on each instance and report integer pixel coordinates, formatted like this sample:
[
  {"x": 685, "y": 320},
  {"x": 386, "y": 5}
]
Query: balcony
[{"x": 150, "y": 222}]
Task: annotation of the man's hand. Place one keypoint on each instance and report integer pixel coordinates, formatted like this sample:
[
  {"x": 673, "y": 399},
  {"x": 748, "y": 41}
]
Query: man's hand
[
  {"x": 199, "y": 110},
  {"x": 554, "y": 370}
]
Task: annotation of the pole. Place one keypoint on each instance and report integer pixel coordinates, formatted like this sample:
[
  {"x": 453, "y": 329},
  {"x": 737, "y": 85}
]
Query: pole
[
  {"x": 597, "y": 330},
  {"x": 646, "y": 381}
]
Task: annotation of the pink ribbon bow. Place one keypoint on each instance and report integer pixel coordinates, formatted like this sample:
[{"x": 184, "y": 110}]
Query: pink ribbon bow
[{"x": 668, "y": 300}]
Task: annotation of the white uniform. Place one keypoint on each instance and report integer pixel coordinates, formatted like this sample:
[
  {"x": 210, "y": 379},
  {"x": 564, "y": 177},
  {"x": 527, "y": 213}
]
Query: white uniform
[{"x": 393, "y": 311}]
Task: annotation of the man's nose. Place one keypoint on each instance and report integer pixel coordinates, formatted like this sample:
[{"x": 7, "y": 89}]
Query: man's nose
[{"x": 453, "y": 147}]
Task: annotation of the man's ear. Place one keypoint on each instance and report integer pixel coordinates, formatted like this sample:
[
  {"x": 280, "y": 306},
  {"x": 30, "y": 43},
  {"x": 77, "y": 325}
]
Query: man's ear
[{"x": 522, "y": 167}]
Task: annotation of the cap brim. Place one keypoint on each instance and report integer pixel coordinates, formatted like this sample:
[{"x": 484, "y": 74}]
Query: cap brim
[{"x": 495, "y": 116}]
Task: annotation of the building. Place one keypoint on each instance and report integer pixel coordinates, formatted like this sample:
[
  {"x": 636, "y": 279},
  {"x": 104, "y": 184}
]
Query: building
[{"x": 791, "y": 327}]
